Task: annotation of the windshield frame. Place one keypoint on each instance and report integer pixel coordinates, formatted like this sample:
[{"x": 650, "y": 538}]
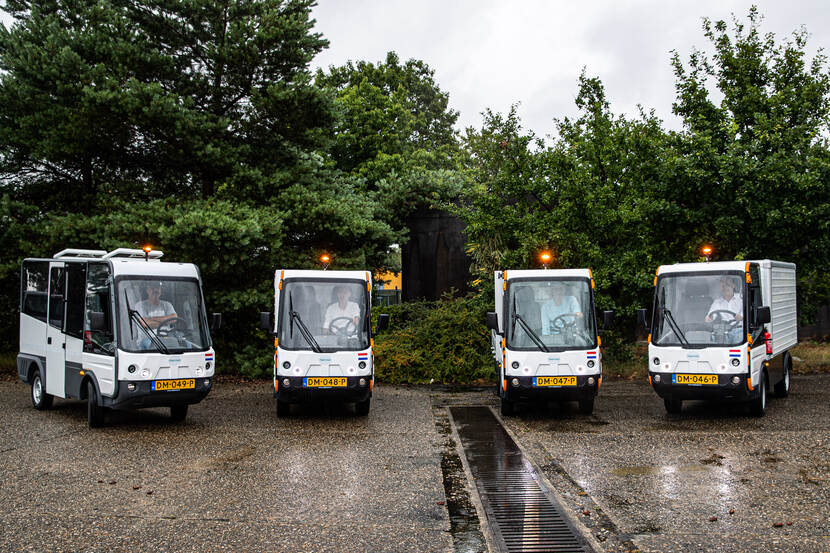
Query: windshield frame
[
  {"x": 656, "y": 315},
  {"x": 283, "y": 305},
  {"x": 506, "y": 309},
  {"x": 172, "y": 351}
]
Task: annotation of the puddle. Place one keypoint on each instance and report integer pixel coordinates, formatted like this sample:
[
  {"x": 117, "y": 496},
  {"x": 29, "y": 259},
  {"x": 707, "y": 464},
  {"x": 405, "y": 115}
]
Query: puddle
[{"x": 652, "y": 470}]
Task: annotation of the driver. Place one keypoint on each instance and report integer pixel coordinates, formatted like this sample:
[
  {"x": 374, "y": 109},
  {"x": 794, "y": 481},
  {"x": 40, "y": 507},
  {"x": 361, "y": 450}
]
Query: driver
[
  {"x": 154, "y": 310},
  {"x": 731, "y": 302},
  {"x": 558, "y": 305},
  {"x": 342, "y": 308}
]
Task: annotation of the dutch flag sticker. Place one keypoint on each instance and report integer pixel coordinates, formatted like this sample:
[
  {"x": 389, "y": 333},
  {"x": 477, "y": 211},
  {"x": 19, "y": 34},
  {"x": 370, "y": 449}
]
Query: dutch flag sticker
[
  {"x": 362, "y": 356},
  {"x": 208, "y": 357}
]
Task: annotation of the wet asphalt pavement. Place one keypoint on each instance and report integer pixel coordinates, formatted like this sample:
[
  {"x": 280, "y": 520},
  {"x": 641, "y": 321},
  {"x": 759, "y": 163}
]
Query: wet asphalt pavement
[{"x": 233, "y": 477}]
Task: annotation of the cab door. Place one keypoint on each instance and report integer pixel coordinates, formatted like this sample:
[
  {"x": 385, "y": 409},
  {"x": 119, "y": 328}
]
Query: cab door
[{"x": 55, "y": 338}]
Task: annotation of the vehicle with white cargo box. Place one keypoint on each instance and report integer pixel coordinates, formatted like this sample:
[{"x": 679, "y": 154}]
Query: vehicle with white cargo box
[
  {"x": 120, "y": 330},
  {"x": 323, "y": 340},
  {"x": 722, "y": 330},
  {"x": 544, "y": 337}
]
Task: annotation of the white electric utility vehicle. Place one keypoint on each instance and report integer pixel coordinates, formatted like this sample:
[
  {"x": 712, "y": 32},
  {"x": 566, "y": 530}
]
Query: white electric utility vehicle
[
  {"x": 120, "y": 330},
  {"x": 544, "y": 337},
  {"x": 322, "y": 337},
  {"x": 722, "y": 330}
]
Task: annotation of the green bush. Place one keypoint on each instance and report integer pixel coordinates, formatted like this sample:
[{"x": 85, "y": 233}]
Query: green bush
[{"x": 443, "y": 341}]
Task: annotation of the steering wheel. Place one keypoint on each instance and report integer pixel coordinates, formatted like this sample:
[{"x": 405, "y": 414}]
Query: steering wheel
[
  {"x": 562, "y": 322},
  {"x": 343, "y": 326},
  {"x": 718, "y": 316},
  {"x": 167, "y": 326}
]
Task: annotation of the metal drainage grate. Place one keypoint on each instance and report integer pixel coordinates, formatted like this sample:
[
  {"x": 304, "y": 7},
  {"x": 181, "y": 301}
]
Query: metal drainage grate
[{"x": 523, "y": 514}]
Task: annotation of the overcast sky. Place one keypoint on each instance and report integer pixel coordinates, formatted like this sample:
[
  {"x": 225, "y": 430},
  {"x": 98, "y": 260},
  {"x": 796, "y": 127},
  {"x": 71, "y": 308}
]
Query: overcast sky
[{"x": 491, "y": 54}]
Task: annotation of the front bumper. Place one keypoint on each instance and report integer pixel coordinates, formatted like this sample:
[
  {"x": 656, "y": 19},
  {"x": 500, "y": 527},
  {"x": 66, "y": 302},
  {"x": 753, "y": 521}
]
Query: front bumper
[
  {"x": 527, "y": 391},
  {"x": 295, "y": 392},
  {"x": 145, "y": 396},
  {"x": 723, "y": 390}
]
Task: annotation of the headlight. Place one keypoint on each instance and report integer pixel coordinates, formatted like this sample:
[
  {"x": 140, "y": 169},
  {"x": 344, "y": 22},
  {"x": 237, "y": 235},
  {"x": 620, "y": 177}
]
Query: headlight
[
  {"x": 286, "y": 365},
  {"x": 132, "y": 368},
  {"x": 590, "y": 363},
  {"x": 362, "y": 364},
  {"x": 515, "y": 364},
  {"x": 656, "y": 361},
  {"x": 736, "y": 362},
  {"x": 207, "y": 366}
]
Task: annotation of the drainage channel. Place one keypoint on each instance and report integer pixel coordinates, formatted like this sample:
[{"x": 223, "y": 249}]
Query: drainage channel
[{"x": 523, "y": 514}]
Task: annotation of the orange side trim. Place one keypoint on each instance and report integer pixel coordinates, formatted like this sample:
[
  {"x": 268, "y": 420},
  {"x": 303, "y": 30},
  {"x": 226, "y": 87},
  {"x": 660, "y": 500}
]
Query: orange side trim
[
  {"x": 276, "y": 342},
  {"x": 649, "y": 338},
  {"x": 655, "y": 281},
  {"x": 649, "y": 381},
  {"x": 599, "y": 341},
  {"x": 504, "y": 385},
  {"x": 371, "y": 384},
  {"x": 599, "y": 383},
  {"x": 276, "y": 385}
]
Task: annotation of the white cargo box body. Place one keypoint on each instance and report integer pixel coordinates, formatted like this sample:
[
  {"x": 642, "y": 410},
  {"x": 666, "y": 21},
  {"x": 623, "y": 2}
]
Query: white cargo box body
[{"x": 778, "y": 292}]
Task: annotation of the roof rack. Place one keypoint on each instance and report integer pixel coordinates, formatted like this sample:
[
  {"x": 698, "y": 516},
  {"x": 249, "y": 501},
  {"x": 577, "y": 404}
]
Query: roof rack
[
  {"x": 129, "y": 252},
  {"x": 69, "y": 252}
]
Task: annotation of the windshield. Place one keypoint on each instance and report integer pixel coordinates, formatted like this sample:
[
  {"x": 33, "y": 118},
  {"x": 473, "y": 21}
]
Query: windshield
[
  {"x": 699, "y": 310},
  {"x": 161, "y": 315},
  {"x": 323, "y": 315},
  {"x": 550, "y": 315}
]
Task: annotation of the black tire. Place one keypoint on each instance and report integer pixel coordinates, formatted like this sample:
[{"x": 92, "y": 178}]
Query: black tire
[
  {"x": 283, "y": 408},
  {"x": 673, "y": 406},
  {"x": 178, "y": 412},
  {"x": 94, "y": 412},
  {"x": 758, "y": 406},
  {"x": 782, "y": 388},
  {"x": 507, "y": 407},
  {"x": 362, "y": 407},
  {"x": 586, "y": 405},
  {"x": 40, "y": 399}
]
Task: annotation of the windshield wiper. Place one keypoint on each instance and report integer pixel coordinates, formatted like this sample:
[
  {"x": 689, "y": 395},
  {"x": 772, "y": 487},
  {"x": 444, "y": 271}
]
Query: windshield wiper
[
  {"x": 675, "y": 327},
  {"x": 143, "y": 325},
  {"x": 304, "y": 331}
]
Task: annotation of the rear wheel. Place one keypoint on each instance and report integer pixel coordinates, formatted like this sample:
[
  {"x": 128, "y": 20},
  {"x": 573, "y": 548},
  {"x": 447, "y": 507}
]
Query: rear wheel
[
  {"x": 673, "y": 406},
  {"x": 586, "y": 405},
  {"x": 40, "y": 399},
  {"x": 283, "y": 408},
  {"x": 362, "y": 407},
  {"x": 178, "y": 413},
  {"x": 507, "y": 407},
  {"x": 782, "y": 388},
  {"x": 758, "y": 406},
  {"x": 94, "y": 412}
]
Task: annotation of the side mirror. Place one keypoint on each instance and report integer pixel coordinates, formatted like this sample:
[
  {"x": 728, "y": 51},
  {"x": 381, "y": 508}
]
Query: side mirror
[
  {"x": 642, "y": 318},
  {"x": 762, "y": 315},
  {"x": 265, "y": 321},
  {"x": 215, "y": 321},
  {"x": 607, "y": 319},
  {"x": 493, "y": 321},
  {"x": 96, "y": 321},
  {"x": 383, "y": 323}
]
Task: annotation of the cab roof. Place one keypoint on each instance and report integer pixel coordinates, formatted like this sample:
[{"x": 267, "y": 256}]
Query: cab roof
[
  {"x": 304, "y": 273},
  {"x": 139, "y": 267},
  {"x": 718, "y": 266},
  {"x": 547, "y": 273}
]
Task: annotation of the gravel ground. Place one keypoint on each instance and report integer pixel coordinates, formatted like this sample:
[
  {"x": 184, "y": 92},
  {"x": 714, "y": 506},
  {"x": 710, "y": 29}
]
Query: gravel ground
[
  {"x": 232, "y": 478},
  {"x": 655, "y": 481},
  {"x": 235, "y": 478}
]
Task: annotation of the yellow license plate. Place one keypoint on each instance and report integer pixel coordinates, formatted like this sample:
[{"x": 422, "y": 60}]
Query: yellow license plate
[
  {"x": 695, "y": 379},
  {"x": 554, "y": 381},
  {"x": 325, "y": 382},
  {"x": 183, "y": 384}
]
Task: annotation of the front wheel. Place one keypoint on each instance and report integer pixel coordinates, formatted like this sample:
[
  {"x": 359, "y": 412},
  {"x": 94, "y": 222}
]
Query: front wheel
[
  {"x": 758, "y": 406},
  {"x": 178, "y": 413},
  {"x": 40, "y": 399},
  {"x": 362, "y": 407},
  {"x": 673, "y": 406},
  {"x": 94, "y": 412},
  {"x": 586, "y": 405}
]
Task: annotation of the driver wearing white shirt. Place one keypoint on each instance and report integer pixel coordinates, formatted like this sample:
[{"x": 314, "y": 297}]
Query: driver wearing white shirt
[
  {"x": 729, "y": 301},
  {"x": 342, "y": 308},
  {"x": 155, "y": 310}
]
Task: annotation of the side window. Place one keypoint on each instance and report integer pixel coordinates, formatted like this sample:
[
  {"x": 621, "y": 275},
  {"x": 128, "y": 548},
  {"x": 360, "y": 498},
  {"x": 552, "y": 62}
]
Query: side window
[
  {"x": 98, "y": 336},
  {"x": 755, "y": 300},
  {"x": 76, "y": 299},
  {"x": 57, "y": 288},
  {"x": 34, "y": 280}
]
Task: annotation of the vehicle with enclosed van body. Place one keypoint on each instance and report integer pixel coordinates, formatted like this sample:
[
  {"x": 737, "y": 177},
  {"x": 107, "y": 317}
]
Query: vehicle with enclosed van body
[
  {"x": 323, "y": 339},
  {"x": 544, "y": 337},
  {"x": 120, "y": 330},
  {"x": 722, "y": 330}
]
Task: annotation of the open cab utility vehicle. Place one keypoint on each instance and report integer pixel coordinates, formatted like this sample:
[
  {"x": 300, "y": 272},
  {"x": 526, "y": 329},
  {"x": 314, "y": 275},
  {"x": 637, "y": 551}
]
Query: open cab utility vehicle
[
  {"x": 322, "y": 337},
  {"x": 722, "y": 330},
  {"x": 544, "y": 337},
  {"x": 120, "y": 330}
]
